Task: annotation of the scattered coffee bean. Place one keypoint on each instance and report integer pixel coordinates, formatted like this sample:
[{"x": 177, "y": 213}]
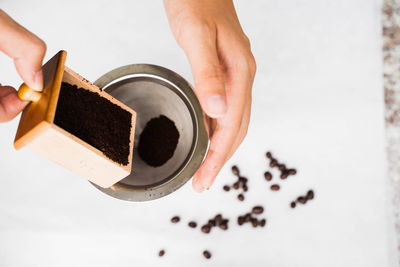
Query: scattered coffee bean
[
  {"x": 292, "y": 171},
  {"x": 302, "y": 200},
  {"x": 268, "y": 176},
  {"x": 269, "y": 155},
  {"x": 206, "y": 228},
  {"x": 236, "y": 185},
  {"x": 262, "y": 222},
  {"x": 226, "y": 188},
  {"x": 240, "y": 197},
  {"x": 293, "y": 204},
  {"x": 258, "y": 210},
  {"x": 275, "y": 187},
  {"x": 282, "y": 167},
  {"x": 192, "y": 224},
  {"x": 245, "y": 188},
  {"x": 212, "y": 223},
  {"x": 235, "y": 170},
  {"x": 224, "y": 225},
  {"x": 161, "y": 253},
  {"x": 273, "y": 163},
  {"x": 284, "y": 175},
  {"x": 240, "y": 220},
  {"x": 175, "y": 219},
  {"x": 206, "y": 254},
  {"x": 310, "y": 194},
  {"x": 247, "y": 217},
  {"x": 254, "y": 222}
]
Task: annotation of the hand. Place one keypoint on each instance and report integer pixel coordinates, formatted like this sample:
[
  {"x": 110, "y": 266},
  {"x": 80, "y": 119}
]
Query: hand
[
  {"x": 223, "y": 68},
  {"x": 27, "y": 51}
]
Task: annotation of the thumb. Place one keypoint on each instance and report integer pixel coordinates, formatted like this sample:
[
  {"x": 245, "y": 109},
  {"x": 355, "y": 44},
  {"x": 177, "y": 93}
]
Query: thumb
[
  {"x": 208, "y": 72},
  {"x": 25, "y": 48}
]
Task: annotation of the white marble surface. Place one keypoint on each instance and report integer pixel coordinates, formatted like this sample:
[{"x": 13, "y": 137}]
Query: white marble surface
[{"x": 318, "y": 105}]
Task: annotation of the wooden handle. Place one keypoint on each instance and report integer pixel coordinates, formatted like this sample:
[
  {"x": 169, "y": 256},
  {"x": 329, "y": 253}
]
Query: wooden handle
[{"x": 26, "y": 93}]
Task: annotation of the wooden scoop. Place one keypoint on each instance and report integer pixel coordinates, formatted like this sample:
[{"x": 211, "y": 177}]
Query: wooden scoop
[{"x": 37, "y": 130}]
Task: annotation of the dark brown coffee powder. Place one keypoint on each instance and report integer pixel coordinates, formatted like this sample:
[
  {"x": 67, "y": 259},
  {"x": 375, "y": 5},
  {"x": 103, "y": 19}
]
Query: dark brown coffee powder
[
  {"x": 158, "y": 141},
  {"x": 94, "y": 119}
]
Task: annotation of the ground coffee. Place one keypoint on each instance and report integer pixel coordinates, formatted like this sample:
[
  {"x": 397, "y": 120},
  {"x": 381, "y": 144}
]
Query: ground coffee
[
  {"x": 94, "y": 119},
  {"x": 158, "y": 141}
]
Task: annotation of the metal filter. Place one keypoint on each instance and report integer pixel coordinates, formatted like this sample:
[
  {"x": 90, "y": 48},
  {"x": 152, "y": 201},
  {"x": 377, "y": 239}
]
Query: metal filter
[{"x": 152, "y": 91}]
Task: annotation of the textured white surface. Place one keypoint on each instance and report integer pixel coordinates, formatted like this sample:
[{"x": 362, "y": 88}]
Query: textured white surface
[{"x": 318, "y": 105}]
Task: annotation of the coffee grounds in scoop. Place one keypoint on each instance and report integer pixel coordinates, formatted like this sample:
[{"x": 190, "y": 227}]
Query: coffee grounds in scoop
[
  {"x": 158, "y": 141},
  {"x": 95, "y": 120}
]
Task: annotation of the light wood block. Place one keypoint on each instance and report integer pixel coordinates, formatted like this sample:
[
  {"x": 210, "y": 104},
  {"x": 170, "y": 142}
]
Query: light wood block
[{"x": 38, "y": 132}]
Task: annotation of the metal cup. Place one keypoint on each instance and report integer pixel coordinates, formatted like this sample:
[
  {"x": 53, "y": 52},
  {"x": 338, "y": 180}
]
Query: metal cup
[{"x": 152, "y": 91}]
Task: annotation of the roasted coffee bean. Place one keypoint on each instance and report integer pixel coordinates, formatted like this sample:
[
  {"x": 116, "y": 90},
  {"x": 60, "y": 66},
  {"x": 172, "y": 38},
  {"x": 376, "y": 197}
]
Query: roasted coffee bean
[
  {"x": 293, "y": 204},
  {"x": 161, "y": 253},
  {"x": 284, "y": 175},
  {"x": 206, "y": 254},
  {"x": 212, "y": 223},
  {"x": 269, "y": 155},
  {"x": 192, "y": 224},
  {"x": 310, "y": 194},
  {"x": 282, "y": 167},
  {"x": 235, "y": 170},
  {"x": 218, "y": 219},
  {"x": 236, "y": 185},
  {"x": 226, "y": 188},
  {"x": 240, "y": 197},
  {"x": 243, "y": 179},
  {"x": 254, "y": 222},
  {"x": 292, "y": 171},
  {"x": 240, "y": 220},
  {"x": 302, "y": 200},
  {"x": 224, "y": 225},
  {"x": 273, "y": 163},
  {"x": 268, "y": 176},
  {"x": 206, "y": 228},
  {"x": 245, "y": 188},
  {"x": 247, "y": 217},
  {"x": 175, "y": 219},
  {"x": 257, "y": 210},
  {"x": 262, "y": 222},
  {"x": 275, "y": 187}
]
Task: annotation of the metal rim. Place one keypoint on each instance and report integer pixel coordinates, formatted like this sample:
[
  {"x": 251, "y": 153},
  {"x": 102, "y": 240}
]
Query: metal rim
[{"x": 144, "y": 193}]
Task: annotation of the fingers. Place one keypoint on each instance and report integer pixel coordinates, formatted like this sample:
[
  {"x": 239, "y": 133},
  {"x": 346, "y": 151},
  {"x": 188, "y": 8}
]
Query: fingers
[
  {"x": 200, "y": 48},
  {"x": 10, "y": 104},
  {"x": 25, "y": 48}
]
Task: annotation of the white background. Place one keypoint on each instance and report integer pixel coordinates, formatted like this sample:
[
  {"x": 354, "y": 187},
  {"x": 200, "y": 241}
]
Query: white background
[{"x": 318, "y": 106}]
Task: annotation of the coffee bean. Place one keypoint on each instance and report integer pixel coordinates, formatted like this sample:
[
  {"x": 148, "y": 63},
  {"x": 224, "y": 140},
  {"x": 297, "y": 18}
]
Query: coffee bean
[
  {"x": 192, "y": 224},
  {"x": 161, "y": 253},
  {"x": 245, "y": 188},
  {"x": 240, "y": 197},
  {"x": 206, "y": 228},
  {"x": 293, "y": 204},
  {"x": 226, "y": 188},
  {"x": 258, "y": 210},
  {"x": 275, "y": 187},
  {"x": 310, "y": 194},
  {"x": 254, "y": 222},
  {"x": 206, "y": 254},
  {"x": 243, "y": 179},
  {"x": 175, "y": 219},
  {"x": 236, "y": 185},
  {"x": 240, "y": 220},
  {"x": 218, "y": 219},
  {"x": 212, "y": 223},
  {"x": 224, "y": 225},
  {"x": 284, "y": 175},
  {"x": 262, "y": 222},
  {"x": 235, "y": 170},
  {"x": 273, "y": 163},
  {"x": 282, "y": 167},
  {"x": 302, "y": 200},
  {"x": 247, "y": 217},
  {"x": 292, "y": 171},
  {"x": 269, "y": 155},
  {"x": 268, "y": 176}
]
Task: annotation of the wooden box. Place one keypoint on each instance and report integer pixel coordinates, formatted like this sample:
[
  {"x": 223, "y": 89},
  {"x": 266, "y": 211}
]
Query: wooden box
[{"x": 38, "y": 132}]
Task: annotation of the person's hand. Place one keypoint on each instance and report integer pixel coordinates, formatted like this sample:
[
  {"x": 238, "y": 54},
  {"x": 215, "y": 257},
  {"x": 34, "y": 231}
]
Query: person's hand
[
  {"x": 27, "y": 51},
  {"x": 223, "y": 68}
]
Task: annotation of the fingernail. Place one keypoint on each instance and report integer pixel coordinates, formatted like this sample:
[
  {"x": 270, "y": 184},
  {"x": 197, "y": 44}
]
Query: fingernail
[
  {"x": 37, "y": 81},
  {"x": 216, "y": 105}
]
